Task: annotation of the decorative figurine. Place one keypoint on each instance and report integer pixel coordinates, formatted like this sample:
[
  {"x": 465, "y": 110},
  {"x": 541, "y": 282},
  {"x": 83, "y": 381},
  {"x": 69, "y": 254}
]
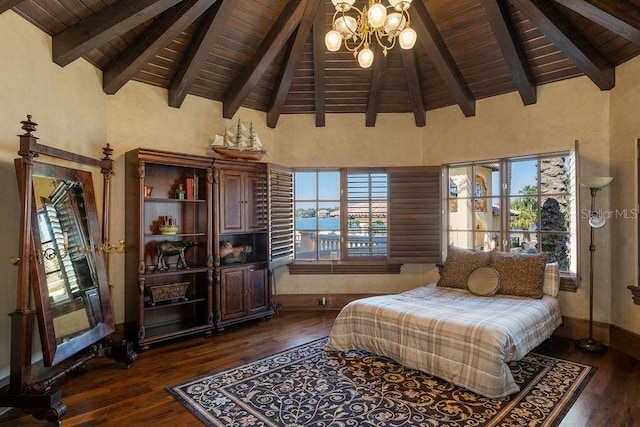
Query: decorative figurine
[
  {"x": 180, "y": 192},
  {"x": 171, "y": 248},
  {"x": 230, "y": 254}
]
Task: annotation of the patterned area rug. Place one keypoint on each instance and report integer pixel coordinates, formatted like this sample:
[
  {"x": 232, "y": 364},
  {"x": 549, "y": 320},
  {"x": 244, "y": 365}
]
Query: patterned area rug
[{"x": 307, "y": 386}]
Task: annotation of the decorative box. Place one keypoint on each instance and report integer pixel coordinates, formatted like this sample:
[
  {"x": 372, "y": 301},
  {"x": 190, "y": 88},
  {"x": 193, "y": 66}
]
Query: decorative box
[{"x": 168, "y": 291}]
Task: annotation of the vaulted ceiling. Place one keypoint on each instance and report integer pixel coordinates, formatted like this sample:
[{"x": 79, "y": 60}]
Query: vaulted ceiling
[{"x": 269, "y": 55}]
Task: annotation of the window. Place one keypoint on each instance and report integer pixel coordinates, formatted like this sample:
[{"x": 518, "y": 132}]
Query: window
[
  {"x": 367, "y": 214},
  {"x": 317, "y": 214},
  {"x": 344, "y": 218},
  {"x": 522, "y": 205}
]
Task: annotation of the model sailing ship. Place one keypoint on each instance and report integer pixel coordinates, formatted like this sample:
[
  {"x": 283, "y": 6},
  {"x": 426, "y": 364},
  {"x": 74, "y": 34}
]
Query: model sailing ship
[{"x": 239, "y": 142}]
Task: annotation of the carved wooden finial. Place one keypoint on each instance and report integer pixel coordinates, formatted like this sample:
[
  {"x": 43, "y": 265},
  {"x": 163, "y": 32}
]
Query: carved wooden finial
[
  {"x": 107, "y": 151},
  {"x": 28, "y": 126}
]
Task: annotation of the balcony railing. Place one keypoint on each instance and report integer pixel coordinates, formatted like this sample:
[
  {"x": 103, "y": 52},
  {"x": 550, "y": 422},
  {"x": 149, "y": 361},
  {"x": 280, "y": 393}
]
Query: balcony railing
[{"x": 326, "y": 243}]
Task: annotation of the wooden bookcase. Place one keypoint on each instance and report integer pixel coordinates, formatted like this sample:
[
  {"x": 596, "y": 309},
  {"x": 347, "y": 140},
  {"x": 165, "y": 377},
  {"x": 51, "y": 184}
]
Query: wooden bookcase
[{"x": 172, "y": 298}]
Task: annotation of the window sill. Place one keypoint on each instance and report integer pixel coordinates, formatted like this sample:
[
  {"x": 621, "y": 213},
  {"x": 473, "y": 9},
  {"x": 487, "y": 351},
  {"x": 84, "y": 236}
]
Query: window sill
[
  {"x": 344, "y": 267},
  {"x": 568, "y": 283}
]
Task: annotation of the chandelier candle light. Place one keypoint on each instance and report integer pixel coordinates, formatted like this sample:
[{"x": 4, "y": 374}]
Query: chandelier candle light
[{"x": 358, "y": 32}]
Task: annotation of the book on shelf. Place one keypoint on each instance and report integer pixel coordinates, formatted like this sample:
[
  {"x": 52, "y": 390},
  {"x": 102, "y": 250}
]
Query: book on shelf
[{"x": 190, "y": 186}]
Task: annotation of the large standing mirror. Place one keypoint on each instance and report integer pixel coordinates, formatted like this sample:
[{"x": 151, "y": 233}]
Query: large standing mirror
[
  {"x": 62, "y": 262},
  {"x": 71, "y": 293}
]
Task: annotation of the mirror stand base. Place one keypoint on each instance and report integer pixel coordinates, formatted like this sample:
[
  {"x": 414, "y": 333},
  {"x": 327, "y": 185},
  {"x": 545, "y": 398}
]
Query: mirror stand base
[
  {"x": 121, "y": 352},
  {"x": 47, "y": 406}
]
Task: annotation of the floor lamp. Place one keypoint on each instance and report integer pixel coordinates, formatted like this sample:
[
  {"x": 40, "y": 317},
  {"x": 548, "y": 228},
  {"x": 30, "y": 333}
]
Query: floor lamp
[{"x": 593, "y": 183}]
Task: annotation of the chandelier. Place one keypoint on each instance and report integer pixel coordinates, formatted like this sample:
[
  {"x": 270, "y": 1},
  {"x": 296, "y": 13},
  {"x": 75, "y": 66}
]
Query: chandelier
[{"x": 358, "y": 31}]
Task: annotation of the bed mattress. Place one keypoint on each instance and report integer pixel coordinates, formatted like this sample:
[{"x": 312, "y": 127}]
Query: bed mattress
[{"x": 449, "y": 333}]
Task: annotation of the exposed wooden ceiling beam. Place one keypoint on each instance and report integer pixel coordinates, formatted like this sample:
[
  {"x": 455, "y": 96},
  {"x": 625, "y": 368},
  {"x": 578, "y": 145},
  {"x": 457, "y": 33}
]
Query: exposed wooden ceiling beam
[
  {"x": 8, "y": 4},
  {"x": 292, "y": 61},
  {"x": 413, "y": 83},
  {"x": 103, "y": 26},
  {"x": 209, "y": 30},
  {"x": 557, "y": 28},
  {"x": 282, "y": 29},
  {"x": 163, "y": 30},
  {"x": 430, "y": 39},
  {"x": 620, "y": 16},
  {"x": 500, "y": 22},
  {"x": 375, "y": 91},
  {"x": 319, "y": 58}
]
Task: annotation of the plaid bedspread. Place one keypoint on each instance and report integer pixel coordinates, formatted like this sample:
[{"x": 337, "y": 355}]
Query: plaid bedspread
[{"x": 449, "y": 333}]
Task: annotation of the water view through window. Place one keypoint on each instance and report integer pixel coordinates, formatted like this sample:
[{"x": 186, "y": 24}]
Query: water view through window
[
  {"x": 317, "y": 214},
  {"x": 318, "y": 211}
]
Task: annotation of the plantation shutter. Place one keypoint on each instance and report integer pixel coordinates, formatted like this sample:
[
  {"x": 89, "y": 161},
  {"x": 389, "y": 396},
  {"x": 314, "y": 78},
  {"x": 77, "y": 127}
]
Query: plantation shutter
[
  {"x": 281, "y": 238},
  {"x": 366, "y": 202},
  {"x": 414, "y": 215}
]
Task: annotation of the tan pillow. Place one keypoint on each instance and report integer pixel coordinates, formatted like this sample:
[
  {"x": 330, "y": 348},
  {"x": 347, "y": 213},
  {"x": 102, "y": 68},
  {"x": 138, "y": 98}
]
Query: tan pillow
[
  {"x": 520, "y": 274},
  {"x": 483, "y": 281},
  {"x": 459, "y": 264},
  {"x": 551, "y": 284}
]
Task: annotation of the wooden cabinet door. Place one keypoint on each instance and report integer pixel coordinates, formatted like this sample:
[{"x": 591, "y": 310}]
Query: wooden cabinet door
[
  {"x": 233, "y": 292},
  {"x": 258, "y": 286},
  {"x": 232, "y": 201}
]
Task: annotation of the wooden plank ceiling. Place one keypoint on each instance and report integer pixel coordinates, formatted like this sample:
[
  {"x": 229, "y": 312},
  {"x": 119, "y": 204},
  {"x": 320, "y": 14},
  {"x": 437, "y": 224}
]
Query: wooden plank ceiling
[{"x": 269, "y": 55}]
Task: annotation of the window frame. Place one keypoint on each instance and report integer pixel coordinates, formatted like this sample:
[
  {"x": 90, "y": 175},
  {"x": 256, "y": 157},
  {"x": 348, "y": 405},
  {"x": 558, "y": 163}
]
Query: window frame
[
  {"x": 413, "y": 212},
  {"x": 568, "y": 279}
]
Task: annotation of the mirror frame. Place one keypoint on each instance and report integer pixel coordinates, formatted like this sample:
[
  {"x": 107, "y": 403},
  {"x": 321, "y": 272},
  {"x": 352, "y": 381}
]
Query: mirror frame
[
  {"x": 54, "y": 352},
  {"x": 43, "y": 398}
]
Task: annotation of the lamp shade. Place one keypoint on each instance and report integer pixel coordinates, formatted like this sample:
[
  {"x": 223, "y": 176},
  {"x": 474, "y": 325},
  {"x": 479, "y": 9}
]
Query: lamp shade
[
  {"x": 395, "y": 23},
  {"x": 347, "y": 26},
  {"x": 595, "y": 181},
  {"x": 407, "y": 38},
  {"x": 377, "y": 15},
  {"x": 343, "y": 5},
  {"x": 333, "y": 39},
  {"x": 400, "y": 4},
  {"x": 365, "y": 57}
]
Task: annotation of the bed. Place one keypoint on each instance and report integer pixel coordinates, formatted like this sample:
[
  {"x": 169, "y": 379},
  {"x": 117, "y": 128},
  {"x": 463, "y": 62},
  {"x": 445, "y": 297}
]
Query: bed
[{"x": 450, "y": 333}]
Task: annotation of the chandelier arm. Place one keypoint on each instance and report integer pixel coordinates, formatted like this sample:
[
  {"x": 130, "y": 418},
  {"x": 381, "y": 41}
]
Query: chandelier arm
[
  {"x": 380, "y": 36},
  {"x": 364, "y": 39}
]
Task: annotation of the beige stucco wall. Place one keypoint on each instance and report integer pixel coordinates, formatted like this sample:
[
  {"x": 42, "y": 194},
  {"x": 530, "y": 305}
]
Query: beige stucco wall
[
  {"x": 625, "y": 131},
  {"x": 76, "y": 115},
  {"x": 71, "y": 110}
]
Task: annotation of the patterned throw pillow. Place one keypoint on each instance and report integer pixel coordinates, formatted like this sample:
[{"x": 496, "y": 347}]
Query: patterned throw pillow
[
  {"x": 459, "y": 264},
  {"x": 520, "y": 274}
]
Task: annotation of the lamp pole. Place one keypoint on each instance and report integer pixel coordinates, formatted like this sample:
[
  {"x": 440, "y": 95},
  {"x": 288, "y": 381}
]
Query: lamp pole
[{"x": 590, "y": 344}]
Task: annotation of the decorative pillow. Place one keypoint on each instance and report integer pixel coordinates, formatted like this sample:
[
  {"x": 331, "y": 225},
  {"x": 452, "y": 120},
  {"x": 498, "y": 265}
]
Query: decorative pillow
[
  {"x": 520, "y": 274},
  {"x": 483, "y": 281},
  {"x": 459, "y": 264},
  {"x": 551, "y": 285}
]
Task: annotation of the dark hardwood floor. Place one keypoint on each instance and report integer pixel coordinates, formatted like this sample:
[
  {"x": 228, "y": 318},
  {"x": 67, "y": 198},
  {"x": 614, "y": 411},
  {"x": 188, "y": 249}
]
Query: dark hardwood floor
[{"x": 108, "y": 394}]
